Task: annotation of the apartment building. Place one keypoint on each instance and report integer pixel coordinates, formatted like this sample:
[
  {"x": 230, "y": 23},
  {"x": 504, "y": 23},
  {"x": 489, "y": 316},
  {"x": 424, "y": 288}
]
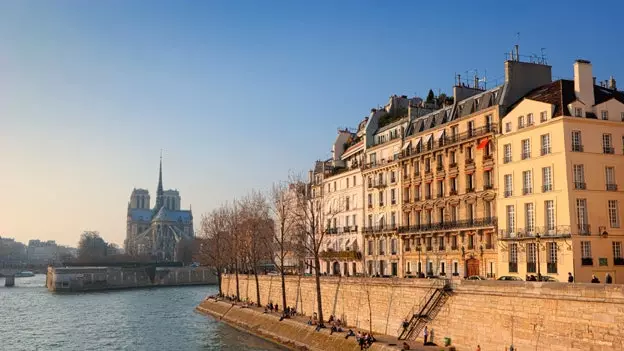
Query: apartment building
[
  {"x": 380, "y": 174},
  {"x": 560, "y": 152},
  {"x": 343, "y": 201}
]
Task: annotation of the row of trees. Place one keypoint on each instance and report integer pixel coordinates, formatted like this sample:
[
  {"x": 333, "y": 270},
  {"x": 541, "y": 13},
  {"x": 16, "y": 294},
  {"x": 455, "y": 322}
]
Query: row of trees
[{"x": 283, "y": 227}]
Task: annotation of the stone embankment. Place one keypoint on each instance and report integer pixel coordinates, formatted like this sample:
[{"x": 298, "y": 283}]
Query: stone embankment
[
  {"x": 292, "y": 333},
  {"x": 492, "y": 314},
  {"x": 77, "y": 279}
]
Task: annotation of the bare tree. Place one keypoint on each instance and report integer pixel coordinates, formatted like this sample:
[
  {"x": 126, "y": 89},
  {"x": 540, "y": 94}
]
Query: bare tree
[
  {"x": 286, "y": 243},
  {"x": 256, "y": 228},
  {"x": 232, "y": 223},
  {"x": 312, "y": 211},
  {"x": 214, "y": 242}
]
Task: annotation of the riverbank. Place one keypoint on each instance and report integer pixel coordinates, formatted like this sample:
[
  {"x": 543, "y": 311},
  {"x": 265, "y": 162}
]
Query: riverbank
[{"x": 293, "y": 333}]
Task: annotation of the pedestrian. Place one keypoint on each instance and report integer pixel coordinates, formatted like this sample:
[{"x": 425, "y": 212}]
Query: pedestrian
[
  {"x": 608, "y": 279},
  {"x": 570, "y": 277},
  {"x": 425, "y": 335},
  {"x": 478, "y": 347}
]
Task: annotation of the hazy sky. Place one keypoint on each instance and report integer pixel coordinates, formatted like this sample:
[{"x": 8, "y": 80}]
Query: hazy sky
[{"x": 237, "y": 93}]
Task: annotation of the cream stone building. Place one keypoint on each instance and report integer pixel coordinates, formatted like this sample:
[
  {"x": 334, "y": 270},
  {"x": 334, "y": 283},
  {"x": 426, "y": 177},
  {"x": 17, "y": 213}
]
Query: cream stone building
[
  {"x": 341, "y": 183},
  {"x": 560, "y": 156}
]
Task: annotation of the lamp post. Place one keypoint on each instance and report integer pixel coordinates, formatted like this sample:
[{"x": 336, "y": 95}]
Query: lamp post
[
  {"x": 539, "y": 272},
  {"x": 419, "y": 249}
]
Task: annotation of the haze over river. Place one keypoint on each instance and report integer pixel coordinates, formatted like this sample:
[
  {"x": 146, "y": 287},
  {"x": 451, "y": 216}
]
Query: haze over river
[{"x": 32, "y": 318}]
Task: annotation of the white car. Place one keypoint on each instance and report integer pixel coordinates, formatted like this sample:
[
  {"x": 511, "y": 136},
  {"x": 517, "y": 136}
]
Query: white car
[{"x": 474, "y": 277}]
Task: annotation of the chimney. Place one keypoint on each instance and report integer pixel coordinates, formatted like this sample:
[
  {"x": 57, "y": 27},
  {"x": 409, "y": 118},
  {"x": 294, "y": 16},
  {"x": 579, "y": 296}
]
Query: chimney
[
  {"x": 583, "y": 82},
  {"x": 594, "y": 80},
  {"x": 310, "y": 176},
  {"x": 476, "y": 82},
  {"x": 612, "y": 85}
]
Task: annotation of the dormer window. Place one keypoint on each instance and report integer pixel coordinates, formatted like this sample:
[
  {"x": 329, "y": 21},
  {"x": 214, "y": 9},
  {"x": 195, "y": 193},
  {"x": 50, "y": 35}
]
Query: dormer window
[
  {"x": 604, "y": 115},
  {"x": 578, "y": 112},
  {"x": 508, "y": 127},
  {"x": 520, "y": 122}
]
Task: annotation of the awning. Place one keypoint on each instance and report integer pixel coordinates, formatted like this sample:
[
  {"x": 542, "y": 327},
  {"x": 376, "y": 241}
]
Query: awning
[
  {"x": 487, "y": 168},
  {"x": 439, "y": 134},
  {"x": 381, "y": 217},
  {"x": 407, "y": 145},
  {"x": 416, "y": 142},
  {"x": 483, "y": 143}
]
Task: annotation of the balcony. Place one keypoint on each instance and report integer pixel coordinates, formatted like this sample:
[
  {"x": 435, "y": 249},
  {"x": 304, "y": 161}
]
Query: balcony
[
  {"x": 618, "y": 261},
  {"x": 587, "y": 261},
  {"x": 440, "y": 167},
  {"x": 380, "y": 228},
  {"x": 546, "y": 188},
  {"x": 584, "y": 229},
  {"x": 545, "y": 151},
  {"x": 379, "y": 185},
  {"x": 488, "y": 186},
  {"x": 453, "y": 192},
  {"x": 487, "y": 157},
  {"x": 508, "y": 193},
  {"x": 513, "y": 267},
  {"x": 527, "y": 191},
  {"x": 440, "y": 194},
  {"x": 612, "y": 187},
  {"x": 471, "y": 246},
  {"x": 562, "y": 231},
  {"x": 580, "y": 185},
  {"x": 531, "y": 267},
  {"x": 454, "y": 247},
  {"x": 450, "y": 140},
  {"x": 370, "y": 206},
  {"x": 427, "y": 196},
  {"x": 453, "y": 165},
  {"x": 441, "y": 248},
  {"x": 449, "y": 225},
  {"x": 577, "y": 148},
  {"x": 469, "y": 161},
  {"x": 608, "y": 150},
  {"x": 489, "y": 246},
  {"x": 331, "y": 231},
  {"x": 470, "y": 190},
  {"x": 381, "y": 204},
  {"x": 429, "y": 248},
  {"x": 347, "y": 255},
  {"x": 551, "y": 267}
]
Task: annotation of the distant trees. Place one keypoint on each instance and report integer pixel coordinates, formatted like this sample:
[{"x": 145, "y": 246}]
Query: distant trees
[
  {"x": 430, "y": 97},
  {"x": 91, "y": 245}
]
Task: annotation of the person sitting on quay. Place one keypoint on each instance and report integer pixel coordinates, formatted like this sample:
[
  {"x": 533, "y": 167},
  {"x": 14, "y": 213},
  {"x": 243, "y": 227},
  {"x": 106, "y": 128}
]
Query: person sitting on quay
[
  {"x": 595, "y": 279},
  {"x": 570, "y": 277},
  {"x": 349, "y": 333}
]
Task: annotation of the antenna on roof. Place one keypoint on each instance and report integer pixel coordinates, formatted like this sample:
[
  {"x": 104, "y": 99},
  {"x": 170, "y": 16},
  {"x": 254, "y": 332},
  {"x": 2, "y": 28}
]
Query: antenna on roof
[{"x": 543, "y": 62}]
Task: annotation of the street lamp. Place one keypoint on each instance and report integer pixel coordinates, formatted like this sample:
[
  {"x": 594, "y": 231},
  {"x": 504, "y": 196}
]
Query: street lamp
[
  {"x": 539, "y": 273},
  {"x": 419, "y": 249}
]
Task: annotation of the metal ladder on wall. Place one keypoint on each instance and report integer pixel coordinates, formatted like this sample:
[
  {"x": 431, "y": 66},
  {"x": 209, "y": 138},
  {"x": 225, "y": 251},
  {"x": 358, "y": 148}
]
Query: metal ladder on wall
[{"x": 430, "y": 306}]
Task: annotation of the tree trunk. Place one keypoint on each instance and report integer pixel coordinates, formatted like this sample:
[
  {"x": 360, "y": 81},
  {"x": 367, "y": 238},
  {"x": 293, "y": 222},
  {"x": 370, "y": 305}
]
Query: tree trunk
[
  {"x": 317, "y": 274},
  {"x": 257, "y": 288},
  {"x": 236, "y": 273},
  {"x": 283, "y": 289},
  {"x": 219, "y": 282}
]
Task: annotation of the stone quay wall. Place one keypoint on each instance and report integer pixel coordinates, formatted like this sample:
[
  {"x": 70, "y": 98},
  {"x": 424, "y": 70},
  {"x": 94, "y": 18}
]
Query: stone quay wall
[
  {"x": 70, "y": 279},
  {"x": 492, "y": 314},
  {"x": 292, "y": 334}
]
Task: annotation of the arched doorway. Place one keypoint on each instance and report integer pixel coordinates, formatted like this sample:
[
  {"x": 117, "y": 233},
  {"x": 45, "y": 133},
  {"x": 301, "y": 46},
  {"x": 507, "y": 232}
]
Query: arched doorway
[
  {"x": 336, "y": 268},
  {"x": 472, "y": 267}
]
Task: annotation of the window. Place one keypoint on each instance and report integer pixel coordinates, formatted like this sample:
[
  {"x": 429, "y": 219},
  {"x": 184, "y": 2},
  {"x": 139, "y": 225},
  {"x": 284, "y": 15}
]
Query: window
[
  {"x": 529, "y": 119},
  {"x": 551, "y": 257},
  {"x": 531, "y": 258},
  {"x": 347, "y": 182},
  {"x": 520, "y": 122},
  {"x": 488, "y": 122},
  {"x": 610, "y": 178},
  {"x": 577, "y": 142},
  {"x": 427, "y": 165},
  {"x": 440, "y": 188},
  {"x": 604, "y": 115},
  {"x": 614, "y": 217},
  {"x": 393, "y": 246},
  {"x": 545, "y": 141},
  {"x": 453, "y": 186},
  {"x": 511, "y": 219},
  {"x": 529, "y": 217},
  {"x": 507, "y": 153},
  {"x": 508, "y": 127},
  {"x": 607, "y": 144},
  {"x": 452, "y": 158},
  {"x": 513, "y": 258},
  {"x": 454, "y": 213},
  {"x": 470, "y": 128},
  {"x": 428, "y": 191},
  {"x": 470, "y": 242},
  {"x": 455, "y": 268},
  {"x": 382, "y": 246},
  {"x": 372, "y": 159},
  {"x": 441, "y": 218},
  {"x": 416, "y": 168},
  {"x": 546, "y": 179},
  {"x": 586, "y": 249},
  {"x": 392, "y": 177},
  {"x": 617, "y": 250},
  {"x": 370, "y": 221},
  {"x": 370, "y": 200},
  {"x": 469, "y": 153},
  {"x": 487, "y": 180},
  {"x": 381, "y": 198},
  {"x": 469, "y": 183},
  {"x": 527, "y": 188},
  {"x": 579, "y": 176},
  {"x": 508, "y": 185},
  {"x": 526, "y": 149},
  {"x": 581, "y": 216},
  {"x": 549, "y": 208},
  {"x": 487, "y": 210},
  {"x": 393, "y": 196},
  {"x": 578, "y": 112},
  {"x": 543, "y": 116}
]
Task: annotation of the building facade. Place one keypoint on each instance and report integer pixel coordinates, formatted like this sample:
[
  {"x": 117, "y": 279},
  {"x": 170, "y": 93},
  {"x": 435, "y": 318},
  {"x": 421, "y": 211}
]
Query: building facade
[
  {"x": 157, "y": 231},
  {"x": 560, "y": 152}
]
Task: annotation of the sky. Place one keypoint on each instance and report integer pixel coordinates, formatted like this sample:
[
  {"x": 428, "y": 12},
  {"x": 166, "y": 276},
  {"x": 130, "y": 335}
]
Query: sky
[{"x": 237, "y": 94}]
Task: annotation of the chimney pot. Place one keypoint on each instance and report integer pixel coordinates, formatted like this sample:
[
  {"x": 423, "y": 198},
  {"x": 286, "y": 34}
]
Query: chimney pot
[{"x": 583, "y": 82}]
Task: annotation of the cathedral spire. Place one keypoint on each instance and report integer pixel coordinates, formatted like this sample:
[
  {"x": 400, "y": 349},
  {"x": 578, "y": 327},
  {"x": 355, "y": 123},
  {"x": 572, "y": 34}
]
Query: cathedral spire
[{"x": 159, "y": 192}]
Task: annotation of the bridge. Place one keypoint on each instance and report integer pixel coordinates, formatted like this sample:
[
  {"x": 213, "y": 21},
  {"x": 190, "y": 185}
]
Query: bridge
[{"x": 9, "y": 272}]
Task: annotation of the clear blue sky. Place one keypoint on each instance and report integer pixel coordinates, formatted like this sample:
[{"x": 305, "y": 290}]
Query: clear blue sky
[{"x": 237, "y": 93}]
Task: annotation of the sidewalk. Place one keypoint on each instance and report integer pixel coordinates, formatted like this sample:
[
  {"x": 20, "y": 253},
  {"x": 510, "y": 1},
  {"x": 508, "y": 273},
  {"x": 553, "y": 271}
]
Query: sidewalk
[{"x": 381, "y": 339}]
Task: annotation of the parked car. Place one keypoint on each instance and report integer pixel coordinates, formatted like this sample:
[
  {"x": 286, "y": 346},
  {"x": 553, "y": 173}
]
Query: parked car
[
  {"x": 547, "y": 278},
  {"x": 510, "y": 277},
  {"x": 475, "y": 277}
]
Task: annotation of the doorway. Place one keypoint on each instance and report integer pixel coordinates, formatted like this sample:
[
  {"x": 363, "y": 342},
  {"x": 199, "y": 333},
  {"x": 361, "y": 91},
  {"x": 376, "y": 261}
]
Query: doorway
[{"x": 472, "y": 267}]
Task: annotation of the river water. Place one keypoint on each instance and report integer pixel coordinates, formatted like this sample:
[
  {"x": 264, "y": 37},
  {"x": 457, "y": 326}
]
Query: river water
[{"x": 32, "y": 318}]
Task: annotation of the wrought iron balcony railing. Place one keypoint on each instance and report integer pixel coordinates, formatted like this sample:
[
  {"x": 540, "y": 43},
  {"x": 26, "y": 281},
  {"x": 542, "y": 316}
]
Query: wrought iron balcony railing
[
  {"x": 544, "y": 232},
  {"x": 449, "y": 225}
]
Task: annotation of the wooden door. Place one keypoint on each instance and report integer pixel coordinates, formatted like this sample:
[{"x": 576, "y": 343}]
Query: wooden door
[{"x": 472, "y": 267}]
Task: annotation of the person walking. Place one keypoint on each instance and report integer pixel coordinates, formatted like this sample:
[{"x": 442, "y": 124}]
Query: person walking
[
  {"x": 570, "y": 278},
  {"x": 608, "y": 279},
  {"x": 425, "y": 335}
]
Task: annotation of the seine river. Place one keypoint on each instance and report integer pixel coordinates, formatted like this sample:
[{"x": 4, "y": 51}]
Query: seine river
[{"x": 31, "y": 318}]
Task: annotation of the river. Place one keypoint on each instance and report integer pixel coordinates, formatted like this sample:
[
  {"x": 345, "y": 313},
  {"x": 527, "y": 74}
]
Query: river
[{"x": 32, "y": 318}]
